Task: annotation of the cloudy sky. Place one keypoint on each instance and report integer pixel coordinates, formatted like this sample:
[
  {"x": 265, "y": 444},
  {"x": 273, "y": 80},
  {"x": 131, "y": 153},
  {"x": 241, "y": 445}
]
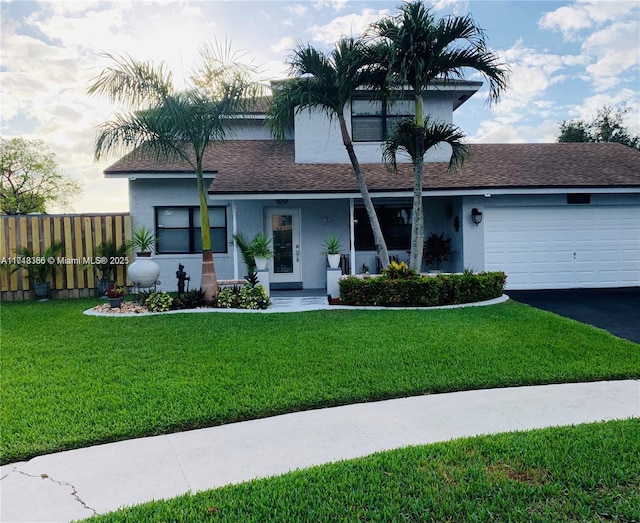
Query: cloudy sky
[{"x": 567, "y": 60}]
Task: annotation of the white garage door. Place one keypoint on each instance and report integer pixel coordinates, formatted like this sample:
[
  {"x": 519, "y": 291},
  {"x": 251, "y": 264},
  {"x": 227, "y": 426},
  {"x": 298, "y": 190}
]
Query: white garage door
[{"x": 564, "y": 247}]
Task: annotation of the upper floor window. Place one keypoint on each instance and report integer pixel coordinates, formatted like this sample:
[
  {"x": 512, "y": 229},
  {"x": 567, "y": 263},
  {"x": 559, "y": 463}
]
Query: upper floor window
[
  {"x": 372, "y": 120},
  {"x": 178, "y": 229}
]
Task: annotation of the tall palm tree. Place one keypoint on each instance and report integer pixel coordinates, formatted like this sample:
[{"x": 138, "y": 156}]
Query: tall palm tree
[
  {"x": 169, "y": 124},
  {"x": 420, "y": 49},
  {"x": 403, "y": 137},
  {"x": 327, "y": 82}
]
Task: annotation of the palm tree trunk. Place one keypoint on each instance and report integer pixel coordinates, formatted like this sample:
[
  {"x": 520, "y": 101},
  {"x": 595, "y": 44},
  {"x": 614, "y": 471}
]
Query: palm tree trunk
[
  {"x": 417, "y": 230},
  {"x": 208, "y": 279},
  {"x": 381, "y": 245}
]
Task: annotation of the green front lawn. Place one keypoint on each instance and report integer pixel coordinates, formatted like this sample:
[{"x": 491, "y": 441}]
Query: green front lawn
[
  {"x": 588, "y": 473},
  {"x": 70, "y": 380}
]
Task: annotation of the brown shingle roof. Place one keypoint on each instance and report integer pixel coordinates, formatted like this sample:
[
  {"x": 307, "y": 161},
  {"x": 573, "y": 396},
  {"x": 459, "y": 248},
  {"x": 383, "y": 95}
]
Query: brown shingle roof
[{"x": 255, "y": 166}]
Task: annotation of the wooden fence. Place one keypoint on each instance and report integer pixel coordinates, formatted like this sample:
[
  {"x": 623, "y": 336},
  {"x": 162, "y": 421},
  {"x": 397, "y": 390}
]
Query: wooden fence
[{"x": 80, "y": 234}]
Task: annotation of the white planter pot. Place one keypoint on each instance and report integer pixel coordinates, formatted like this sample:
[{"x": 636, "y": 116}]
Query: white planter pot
[
  {"x": 334, "y": 260},
  {"x": 261, "y": 263},
  {"x": 143, "y": 272}
]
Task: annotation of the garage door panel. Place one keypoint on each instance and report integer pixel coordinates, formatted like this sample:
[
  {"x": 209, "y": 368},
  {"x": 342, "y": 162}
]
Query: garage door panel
[{"x": 564, "y": 247}]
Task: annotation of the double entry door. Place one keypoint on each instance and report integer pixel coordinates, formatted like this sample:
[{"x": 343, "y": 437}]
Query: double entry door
[{"x": 283, "y": 228}]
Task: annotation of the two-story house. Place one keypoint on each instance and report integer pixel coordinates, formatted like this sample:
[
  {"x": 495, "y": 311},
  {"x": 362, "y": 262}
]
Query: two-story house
[{"x": 549, "y": 215}]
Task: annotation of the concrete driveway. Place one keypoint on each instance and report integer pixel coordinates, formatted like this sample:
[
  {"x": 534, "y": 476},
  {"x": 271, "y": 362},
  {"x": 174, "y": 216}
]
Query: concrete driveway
[{"x": 614, "y": 310}]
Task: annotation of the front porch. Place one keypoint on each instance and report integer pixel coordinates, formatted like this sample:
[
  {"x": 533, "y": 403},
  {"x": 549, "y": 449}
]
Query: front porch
[{"x": 298, "y": 226}]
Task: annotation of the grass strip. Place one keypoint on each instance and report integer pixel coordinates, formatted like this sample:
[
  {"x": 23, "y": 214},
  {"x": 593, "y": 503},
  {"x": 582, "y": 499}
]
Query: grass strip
[
  {"x": 587, "y": 473},
  {"x": 70, "y": 380}
]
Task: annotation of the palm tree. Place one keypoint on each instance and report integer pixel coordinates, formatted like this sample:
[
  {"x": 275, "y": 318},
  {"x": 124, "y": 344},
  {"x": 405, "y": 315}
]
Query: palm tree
[
  {"x": 420, "y": 49},
  {"x": 327, "y": 82},
  {"x": 403, "y": 137},
  {"x": 168, "y": 124}
]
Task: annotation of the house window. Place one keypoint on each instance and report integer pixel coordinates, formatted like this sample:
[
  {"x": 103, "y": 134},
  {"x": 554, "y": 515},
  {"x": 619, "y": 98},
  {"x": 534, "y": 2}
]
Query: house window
[
  {"x": 178, "y": 229},
  {"x": 372, "y": 120},
  {"x": 395, "y": 222}
]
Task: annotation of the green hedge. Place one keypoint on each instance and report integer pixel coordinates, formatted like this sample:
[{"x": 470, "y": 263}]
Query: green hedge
[{"x": 422, "y": 291}]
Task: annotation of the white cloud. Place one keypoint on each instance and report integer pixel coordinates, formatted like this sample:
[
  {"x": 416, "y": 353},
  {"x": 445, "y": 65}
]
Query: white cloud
[
  {"x": 610, "y": 34},
  {"x": 90, "y": 29},
  {"x": 285, "y": 43},
  {"x": 615, "y": 50},
  {"x": 275, "y": 69},
  {"x": 191, "y": 10},
  {"x": 348, "y": 25},
  {"x": 297, "y": 9},
  {"x": 495, "y": 131},
  {"x": 532, "y": 73},
  {"x": 70, "y": 7},
  {"x": 457, "y": 7},
  {"x": 336, "y": 5},
  {"x": 590, "y": 105},
  {"x": 567, "y": 19},
  {"x": 570, "y": 20}
]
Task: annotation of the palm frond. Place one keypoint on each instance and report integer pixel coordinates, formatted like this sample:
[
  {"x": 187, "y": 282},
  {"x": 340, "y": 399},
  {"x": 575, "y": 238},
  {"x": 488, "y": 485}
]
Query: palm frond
[
  {"x": 223, "y": 74},
  {"x": 132, "y": 82},
  {"x": 280, "y": 112},
  {"x": 326, "y": 81},
  {"x": 402, "y": 138},
  {"x": 423, "y": 49}
]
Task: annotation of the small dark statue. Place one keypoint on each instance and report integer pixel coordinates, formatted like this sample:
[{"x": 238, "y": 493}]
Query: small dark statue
[{"x": 182, "y": 277}]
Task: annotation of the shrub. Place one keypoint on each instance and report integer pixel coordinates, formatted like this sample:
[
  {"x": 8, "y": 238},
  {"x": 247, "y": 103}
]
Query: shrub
[
  {"x": 253, "y": 297},
  {"x": 422, "y": 291},
  {"x": 229, "y": 297},
  {"x": 159, "y": 301},
  {"x": 249, "y": 296},
  {"x": 397, "y": 271},
  {"x": 192, "y": 300}
]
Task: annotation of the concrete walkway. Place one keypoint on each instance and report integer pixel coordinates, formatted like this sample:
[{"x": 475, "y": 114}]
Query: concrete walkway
[
  {"x": 80, "y": 483},
  {"x": 293, "y": 304}
]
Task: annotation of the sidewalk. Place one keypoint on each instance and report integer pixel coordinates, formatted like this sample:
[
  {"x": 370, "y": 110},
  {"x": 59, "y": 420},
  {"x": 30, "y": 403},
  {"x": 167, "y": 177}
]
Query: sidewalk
[{"x": 80, "y": 483}]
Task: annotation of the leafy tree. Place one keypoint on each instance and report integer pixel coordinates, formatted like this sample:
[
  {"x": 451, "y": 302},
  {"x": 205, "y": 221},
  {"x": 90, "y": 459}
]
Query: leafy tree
[
  {"x": 169, "y": 124},
  {"x": 607, "y": 126},
  {"x": 31, "y": 178},
  {"x": 420, "y": 49},
  {"x": 326, "y": 82}
]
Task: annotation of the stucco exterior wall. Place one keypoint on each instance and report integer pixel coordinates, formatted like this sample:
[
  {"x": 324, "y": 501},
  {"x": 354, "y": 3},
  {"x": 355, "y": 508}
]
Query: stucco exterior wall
[
  {"x": 144, "y": 196},
  {"x": 322, "y": 217},
  {"x": 318, "y": 139},
  {"x": 318, "y": 219}
]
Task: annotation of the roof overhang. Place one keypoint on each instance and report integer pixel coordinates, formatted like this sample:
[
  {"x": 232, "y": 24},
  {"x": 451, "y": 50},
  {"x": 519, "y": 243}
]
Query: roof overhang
[
  {"x": 159, "y": 175},
  {"x": 478, "y": 191}
]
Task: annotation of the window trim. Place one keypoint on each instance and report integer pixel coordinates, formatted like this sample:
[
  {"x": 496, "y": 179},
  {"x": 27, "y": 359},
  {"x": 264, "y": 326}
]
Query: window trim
[
  {"x": 192, "y": 228},
  {"x": 384, "y": 114}
]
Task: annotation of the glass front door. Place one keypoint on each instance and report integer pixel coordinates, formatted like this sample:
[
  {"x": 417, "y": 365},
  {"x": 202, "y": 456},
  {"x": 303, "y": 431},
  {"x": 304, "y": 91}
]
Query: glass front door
[{"x": 283, "y": 227}]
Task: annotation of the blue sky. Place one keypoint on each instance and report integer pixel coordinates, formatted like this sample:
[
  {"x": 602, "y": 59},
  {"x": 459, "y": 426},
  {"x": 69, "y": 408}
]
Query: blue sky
[{"x": 567, "y": 60}]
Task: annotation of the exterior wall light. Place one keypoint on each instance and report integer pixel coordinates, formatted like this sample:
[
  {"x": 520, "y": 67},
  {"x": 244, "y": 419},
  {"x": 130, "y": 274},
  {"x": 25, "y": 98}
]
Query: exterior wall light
[{"x": 476, "y": 216}]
